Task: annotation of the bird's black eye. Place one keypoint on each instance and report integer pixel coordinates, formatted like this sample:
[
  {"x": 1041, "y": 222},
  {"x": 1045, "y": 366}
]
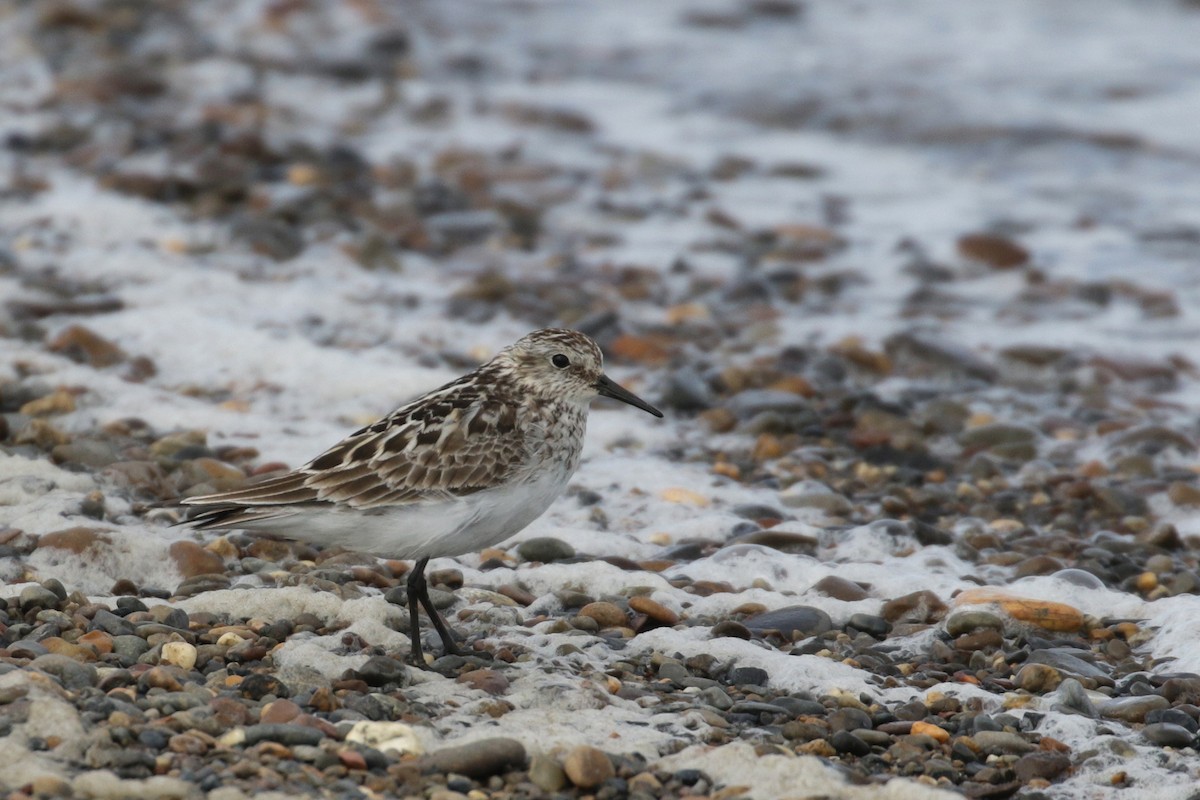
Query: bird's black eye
[{"x": 560, "y": 361}]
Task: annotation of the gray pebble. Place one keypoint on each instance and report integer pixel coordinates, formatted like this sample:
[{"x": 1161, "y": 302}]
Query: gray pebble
[
  {"x": 478, "y": 759},
  {"x": 805, "y": 620},
  {"x": 869, "y": 623},
  {"x": 1064, "y": 660},
  {"x": 1072, "y": 699},
  {"x": 1133, "y": 709},
  {"x": 545, "y": 549},
  {"x": 38, "y": 596},
  {"x": 848, "y": 719},
  {"x": 1166, "y": 734},
  {"x": 966, "y": 621},
  {"x": 748, "y": 676},
  {"x": 72, "y": 674},
  {"x": 283, "y": 733},
  {"x": 1002, "y": 742},
  {"x": 716, "y": 697}
]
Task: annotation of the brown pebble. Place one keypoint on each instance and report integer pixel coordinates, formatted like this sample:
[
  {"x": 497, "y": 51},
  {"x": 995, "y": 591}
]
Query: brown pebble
[
  {"x": 352, "y": 759},
  {"x": 515, "y": 593},
  {"x": 57, "y": 402},
  {"x": 99, "y": 641},
  {"x": 840, "y": 589},
  {"x": 160, "y": 678},
  {"x": 1042, "y": 613},
  {"x": 587, "y": 767},
  {"x": 731, "y": 629},
  {"x": 486, "y": 680},
  {"x": 74, "y": 540},
  {"x": 654, "y": 610},
  {"x": 323, "y": 699},
  {"x": 191, "y": 559},
  {"x": 995, "y": 251},
  {"x": 188, "y": 744},
  {"x": 279, "y": 711},
  {"x": 229, "y": 712},
  {"x": 922, "y": 606},
  {"x": 86, "y": 346},
  {"x": 72, "y": 651},
  {"x": 606, "y": 614}
]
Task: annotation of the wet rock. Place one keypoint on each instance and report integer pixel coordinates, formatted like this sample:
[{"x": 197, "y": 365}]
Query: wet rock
[
  {"x": 1165, "y": 734},
  {"x": 654, "y": 610},
  {"x": 546, "y": 774},
  {"x": 72, "y": 674},
  {"x": 920, "y": 606},
  {"x": 1002, "y": 742},
  {"x": 732, "y": 629},
  {"x": 85, "y": 346},
  {"x": 1037, "y": 678},
  {"x": 479, "y": 759},
  {"x": 258, "y": 685},
  {"x": 1067, "y": 663},
  {"x": 922, "y": 354},
  {"x": 783, "y": 541},
  {"x": 545, "y": 549},
  {"x": 587, "y": 767},
  {"x": 995, "y": 251},
  {"x": 34, "y": 596},
  {"x": 1133, "y": 709},
  {"x": 870, "y": 624},
  {"x": 284, "y": 734},
  {"x": 607, "y": 615},
  {"x": 192, "y": 560},
  {"x": 381, "y": 671},
  {"x": 846, "y": 742},
  {"x": 485, "y": 680},
  {"x": 818, "y": 497},
  {"x": 840, "y": 589},
  {"x": 1044, "y": 765},
  {"x": 961, "y": 622},
  {"x": 748, "y": 676},
  {"x": 111, "y": 624},
  {"x": 791, "y": 621}
]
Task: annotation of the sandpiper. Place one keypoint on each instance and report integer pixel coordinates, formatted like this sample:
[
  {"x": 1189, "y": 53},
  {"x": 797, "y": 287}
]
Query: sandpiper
[{"x": 459, "y": 469}]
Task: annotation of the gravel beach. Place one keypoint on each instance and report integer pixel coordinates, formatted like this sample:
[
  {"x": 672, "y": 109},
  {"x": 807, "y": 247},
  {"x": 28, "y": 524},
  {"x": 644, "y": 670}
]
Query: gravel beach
[{"x": 915, "y": 288}]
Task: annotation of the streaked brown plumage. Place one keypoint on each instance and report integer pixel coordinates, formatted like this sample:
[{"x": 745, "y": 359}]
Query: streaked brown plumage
[{"x": 456, "y": 470}]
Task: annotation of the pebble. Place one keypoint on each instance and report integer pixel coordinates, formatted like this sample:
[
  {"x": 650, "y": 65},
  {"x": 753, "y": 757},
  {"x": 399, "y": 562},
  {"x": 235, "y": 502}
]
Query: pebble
[
  {"x": 72, "y": 674},
  {"x": 386, "y": 736},
  {"x": 547, "y": 774},
  {"x": 478, "y": 759},
  {"x": 840, "y": 589},
  {"x": 180, "y": 654},
  {"x": 1165, "y": 734},
  {"x": 605, "y": 614},
  {"x": 587, "y": 767},
  {"x": 654, "y": 610},
  {"x": 545, "y": 549},
  {"x": 791, "y": 621},
  {"x": 1001, "y": 742},
  {"x": 1133, "y": 709}
]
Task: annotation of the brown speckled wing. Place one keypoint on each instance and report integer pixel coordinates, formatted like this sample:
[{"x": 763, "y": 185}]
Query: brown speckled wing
[
  {"x": 443, "y": 448},
  {"x": 449, "y": 443}
]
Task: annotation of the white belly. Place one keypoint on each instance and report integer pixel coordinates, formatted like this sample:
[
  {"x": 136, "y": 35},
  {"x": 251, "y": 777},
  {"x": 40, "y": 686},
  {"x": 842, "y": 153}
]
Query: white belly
[{"x": 444, "y": 528}]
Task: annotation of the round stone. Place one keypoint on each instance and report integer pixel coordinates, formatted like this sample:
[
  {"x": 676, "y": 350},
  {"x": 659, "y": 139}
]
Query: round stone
[
  {"x": 545, "y": 549},
  {"x": 180, "y": 654},
  {"x": 587, "y": 767},
  {"x": 607, "y": 615}
]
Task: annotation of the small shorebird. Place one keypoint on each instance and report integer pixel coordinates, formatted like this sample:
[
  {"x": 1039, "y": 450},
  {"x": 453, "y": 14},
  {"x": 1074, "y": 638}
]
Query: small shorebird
[{"x": 457, "y": 470}]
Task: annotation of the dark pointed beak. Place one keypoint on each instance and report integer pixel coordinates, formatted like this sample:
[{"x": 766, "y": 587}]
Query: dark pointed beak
[{"x": 610, "y": 388}]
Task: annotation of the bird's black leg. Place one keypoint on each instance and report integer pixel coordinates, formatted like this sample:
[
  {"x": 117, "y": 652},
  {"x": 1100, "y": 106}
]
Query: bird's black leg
[
  {"x": 416, "y": 587},
  {"x": 418, "y": 592}
]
